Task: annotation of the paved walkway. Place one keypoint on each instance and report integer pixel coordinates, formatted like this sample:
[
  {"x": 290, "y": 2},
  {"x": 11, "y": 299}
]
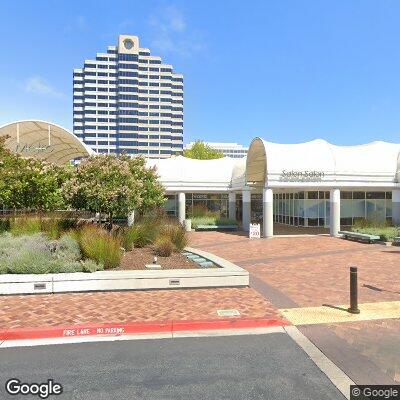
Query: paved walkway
[
  {"x": 313, "y": 271},
  {"x": 125, "y": 307}
]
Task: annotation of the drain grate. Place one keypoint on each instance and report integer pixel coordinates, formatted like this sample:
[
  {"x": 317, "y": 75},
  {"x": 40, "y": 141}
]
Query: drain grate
[{"x": 228, "y": 313}]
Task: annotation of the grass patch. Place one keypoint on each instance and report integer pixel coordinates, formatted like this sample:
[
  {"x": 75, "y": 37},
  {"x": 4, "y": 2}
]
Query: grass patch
[{"x": 98, "y": 245}]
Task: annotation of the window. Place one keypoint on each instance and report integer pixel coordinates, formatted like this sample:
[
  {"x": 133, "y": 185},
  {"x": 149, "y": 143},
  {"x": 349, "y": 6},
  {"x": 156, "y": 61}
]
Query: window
[{"x": 127, "y": 57}]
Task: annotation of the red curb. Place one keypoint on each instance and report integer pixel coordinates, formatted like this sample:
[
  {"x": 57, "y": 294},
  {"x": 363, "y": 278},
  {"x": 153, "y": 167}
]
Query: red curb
[{"x": 114, "y": 329}]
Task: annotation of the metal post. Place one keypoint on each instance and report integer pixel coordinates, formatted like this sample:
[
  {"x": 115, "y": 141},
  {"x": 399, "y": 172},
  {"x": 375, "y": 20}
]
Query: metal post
[{"x": 353, "y": 292}]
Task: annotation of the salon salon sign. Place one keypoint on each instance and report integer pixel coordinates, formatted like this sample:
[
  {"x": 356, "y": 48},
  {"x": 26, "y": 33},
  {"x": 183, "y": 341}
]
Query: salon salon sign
[{"x": 301, "y": 176}]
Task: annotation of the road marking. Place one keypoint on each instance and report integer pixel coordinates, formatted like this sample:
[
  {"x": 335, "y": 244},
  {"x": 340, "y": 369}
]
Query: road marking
[
  {"x": 143, "y": 336},
  {"x": 335, "y": 314},
  {"x": 330, "y": 369}
]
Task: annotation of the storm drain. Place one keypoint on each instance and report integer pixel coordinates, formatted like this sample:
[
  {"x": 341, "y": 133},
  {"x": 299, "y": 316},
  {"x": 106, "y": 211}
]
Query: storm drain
[{"x": 228, "y": 313}]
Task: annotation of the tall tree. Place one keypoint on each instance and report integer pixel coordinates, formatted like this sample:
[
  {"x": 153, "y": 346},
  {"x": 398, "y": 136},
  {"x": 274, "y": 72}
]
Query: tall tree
[
  {"x": 29, "y": 183},
  {"x": 202, "y": 151},
  {"x": 114, "y": 185}
]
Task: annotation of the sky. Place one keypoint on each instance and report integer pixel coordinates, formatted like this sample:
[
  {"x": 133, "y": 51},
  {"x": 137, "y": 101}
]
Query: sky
[{"x": 287, "y": 71}]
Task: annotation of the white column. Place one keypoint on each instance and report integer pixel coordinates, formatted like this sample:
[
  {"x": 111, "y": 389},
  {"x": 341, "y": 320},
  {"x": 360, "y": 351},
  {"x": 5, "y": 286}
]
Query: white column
[
  {"x": 181, "y": 207},
  {"x": 246, "y": 209},
  {"x": 335, "y": 212},
  {"x": 268, "y": 212},
  {"x": 232, "y": 205},
  {"x": 396, "y": 207}
]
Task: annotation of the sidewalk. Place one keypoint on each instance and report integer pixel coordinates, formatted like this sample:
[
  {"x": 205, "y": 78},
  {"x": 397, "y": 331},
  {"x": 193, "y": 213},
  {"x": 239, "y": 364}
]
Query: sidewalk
[{"x": 54, "y": 315}]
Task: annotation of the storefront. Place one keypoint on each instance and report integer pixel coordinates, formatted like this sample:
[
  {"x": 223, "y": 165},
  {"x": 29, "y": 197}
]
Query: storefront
[{"x": 313, "y": 184}]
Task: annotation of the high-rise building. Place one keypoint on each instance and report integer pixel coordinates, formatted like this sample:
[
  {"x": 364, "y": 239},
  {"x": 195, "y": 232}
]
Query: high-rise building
[
  {"x": 127, "y": 100},
  {"x": 232, "y": 150}
]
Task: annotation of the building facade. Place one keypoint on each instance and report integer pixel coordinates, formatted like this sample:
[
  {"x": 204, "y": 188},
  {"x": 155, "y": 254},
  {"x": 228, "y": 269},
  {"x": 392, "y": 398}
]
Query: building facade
[
  {"x": 127, "y": 101},
  {"x": 312, "y": 184},
  {"x": 233, "y": 150}
]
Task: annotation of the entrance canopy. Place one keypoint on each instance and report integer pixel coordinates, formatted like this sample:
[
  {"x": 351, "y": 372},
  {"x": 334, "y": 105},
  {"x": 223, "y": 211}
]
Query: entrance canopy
[
  {"x": 304, "y": 164},
  {"x": 43, "y": 140}
]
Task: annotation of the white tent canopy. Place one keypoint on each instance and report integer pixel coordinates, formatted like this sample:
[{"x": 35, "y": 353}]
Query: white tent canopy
[
  {"x": 43, "y": 140},
  {"x": 182, "y": 173},
  {"x": 374, "y": 163}
]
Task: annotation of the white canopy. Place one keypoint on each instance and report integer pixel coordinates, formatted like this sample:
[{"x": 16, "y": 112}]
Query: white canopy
[
  {"x": 181, "y": 173},
  {"x": 43, "y": 140},
  {"x": 375, "y": 163}
]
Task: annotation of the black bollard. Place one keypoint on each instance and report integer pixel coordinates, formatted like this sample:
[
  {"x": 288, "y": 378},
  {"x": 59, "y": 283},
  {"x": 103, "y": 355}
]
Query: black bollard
[{"x": 353, "y": 292}]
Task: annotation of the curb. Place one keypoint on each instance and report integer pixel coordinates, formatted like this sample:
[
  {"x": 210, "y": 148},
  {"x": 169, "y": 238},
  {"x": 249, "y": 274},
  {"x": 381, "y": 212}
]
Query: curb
[{"x": 153, "y": 327}]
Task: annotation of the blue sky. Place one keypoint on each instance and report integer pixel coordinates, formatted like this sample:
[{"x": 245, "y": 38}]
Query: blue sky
[{"x": 288, "y": 71}]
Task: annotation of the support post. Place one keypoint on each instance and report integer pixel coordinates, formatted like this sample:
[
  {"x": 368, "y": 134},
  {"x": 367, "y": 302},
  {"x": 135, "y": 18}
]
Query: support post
[
  {"x": 396, "y": 207},
  {"x": 335, "y": 212},
  {"x": 232, "y": 205},
  {"x": 181, "y": 207},
  {"x": 246, "y": 209},
  {"x": 268, "y": 212}
]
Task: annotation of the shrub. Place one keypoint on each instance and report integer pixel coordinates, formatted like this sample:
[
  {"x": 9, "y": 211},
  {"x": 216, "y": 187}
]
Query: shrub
[
  {"x": 30, "y": 261},
  {"x": 51, "y": 227},
  {"x": 62, "y": 266},
  {"x": 212, "y": 221},
  {"x": 3, "y": 268},
  {"x": 25, "y": 225},
  {"x": 163, "y": 246},
  {"x": 387, "y": 234},
  {"x": 4, "y": 225},
  {"x": 68, "y": 248},
  {"x": 92, "y": 266},
  {"x": 101, "y": 247},
  {"x": 130, "y": 237},
  {"x": 177, "y": 234}
]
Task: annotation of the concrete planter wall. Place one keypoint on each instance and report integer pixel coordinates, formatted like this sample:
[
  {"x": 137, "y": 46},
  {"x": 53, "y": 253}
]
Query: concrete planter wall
[{"x": 227, "y": 275}]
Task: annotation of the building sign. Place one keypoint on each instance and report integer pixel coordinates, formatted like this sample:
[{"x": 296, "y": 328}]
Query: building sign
[
  {"x": 301, "y": 176},
  {"x": 30, "y": 148},
  {"x": 200, "y": 196},
  {"x": 254, "y": 231}
]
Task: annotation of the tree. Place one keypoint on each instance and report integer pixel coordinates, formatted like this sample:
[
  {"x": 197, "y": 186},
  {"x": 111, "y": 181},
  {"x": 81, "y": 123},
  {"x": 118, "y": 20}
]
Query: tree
[
  {"x": 202, "y": 151},
  {"x": 112, "y": 184},
  {"x": 29, "y": 183}
]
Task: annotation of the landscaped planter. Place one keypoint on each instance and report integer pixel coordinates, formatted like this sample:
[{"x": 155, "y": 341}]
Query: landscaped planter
[{"x": 227, "y": 274}]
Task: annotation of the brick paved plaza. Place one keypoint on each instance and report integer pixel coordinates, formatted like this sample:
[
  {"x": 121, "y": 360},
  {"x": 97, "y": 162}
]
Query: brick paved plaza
[{"x": 312, "y": 271}]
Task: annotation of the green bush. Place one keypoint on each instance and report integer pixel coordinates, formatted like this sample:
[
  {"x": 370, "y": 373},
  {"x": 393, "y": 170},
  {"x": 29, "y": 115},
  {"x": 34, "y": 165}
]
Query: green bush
[
  {"x": 387, "y": 234},
  {"x": 163, "y": 246},
  {"x": 68, "y": 248},
  {"x": 177, "y": 234},
  {"x": 37, "y": 254},
  {"x": 212, "y": 221},
  {"x": 98, "y": 245},
  {"x": 30, "y": 261},
  {"x": 61, "y": 266},
  {"x": 92, "y": 266}
]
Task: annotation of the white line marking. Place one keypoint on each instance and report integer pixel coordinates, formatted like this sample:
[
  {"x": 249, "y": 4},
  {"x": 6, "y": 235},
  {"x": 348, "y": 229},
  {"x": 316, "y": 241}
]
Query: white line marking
[{"x": 330, "y": 369}]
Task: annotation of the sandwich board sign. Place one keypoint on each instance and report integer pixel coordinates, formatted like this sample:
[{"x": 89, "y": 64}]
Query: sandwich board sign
[{"x": 254, "y": 231}]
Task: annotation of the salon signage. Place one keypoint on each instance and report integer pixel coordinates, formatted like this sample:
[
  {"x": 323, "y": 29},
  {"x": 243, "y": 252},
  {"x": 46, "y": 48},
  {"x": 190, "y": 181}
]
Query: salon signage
[{"x": 301, "y": 176}]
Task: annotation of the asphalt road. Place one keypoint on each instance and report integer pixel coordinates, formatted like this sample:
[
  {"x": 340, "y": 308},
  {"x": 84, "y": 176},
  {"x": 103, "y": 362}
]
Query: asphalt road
[{"x": 237, "y": 367}]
